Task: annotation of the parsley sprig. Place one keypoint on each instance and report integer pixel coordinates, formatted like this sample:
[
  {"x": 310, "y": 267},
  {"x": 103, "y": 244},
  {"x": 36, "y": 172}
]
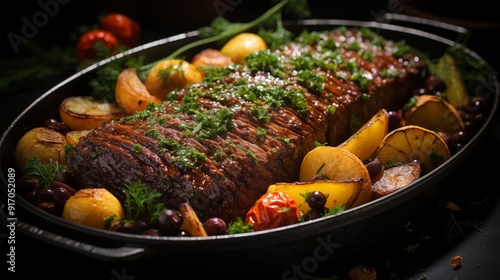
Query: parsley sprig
[
  {"x": 44, "y": 173},
  {"x": 141, "y": 202}
]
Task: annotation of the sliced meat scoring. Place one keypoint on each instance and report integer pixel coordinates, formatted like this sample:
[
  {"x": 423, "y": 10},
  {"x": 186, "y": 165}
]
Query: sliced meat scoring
[{"x": 253, "y": 126}]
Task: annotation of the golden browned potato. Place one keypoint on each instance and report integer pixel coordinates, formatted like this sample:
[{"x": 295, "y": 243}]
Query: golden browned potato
[
  {"x": 41, "y": 142},
  {"x": 92, "y": 207},
  {"x": 87, "y": 112},
  {"x": 413, "y": 143},
  {"x": 434, "y": 113},
  {"x": 211, "y": 58},
  {"x": 131, "y": 93},
  {"x": 338, "y": 192},
  {"x": 366, "y": 140},
  {"x": 336, "y": 164},
  {"x": 171, "y": 74},
  {"x": 242, "y": 45}
]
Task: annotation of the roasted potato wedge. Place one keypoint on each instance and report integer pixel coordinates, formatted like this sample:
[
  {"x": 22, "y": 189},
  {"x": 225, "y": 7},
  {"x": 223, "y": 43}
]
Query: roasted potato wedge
[
  {"x": 87, "y": 112},
  {"x": 190, "y": 221},
  {"x": 455, "y": 92},
  {"x": 434, "y": 113},
  {"x": 44, "y": 143},
  {"x": 338, "y": 192},
  {"x": 131, "y": 93},
  {"x": 241, "y": 45},
  {"x": 413, "y": 143},
  {"x": 366, "y": 140},
  {"x": 395, "y": 178},
  {"x": 92, "y": 207},
  {"x": 336, "y": 164},
  {"x": 171, "y": 74}
]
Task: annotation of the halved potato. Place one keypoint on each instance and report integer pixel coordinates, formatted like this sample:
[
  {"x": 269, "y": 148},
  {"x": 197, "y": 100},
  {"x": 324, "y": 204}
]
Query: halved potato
[
  {"x": 413, "y": 143},
  {"x": 366, "y": 140},
  {"x": 171, "y": 74},
  {"x": 87, "y": 112},
  {"x": 44, "y": 143},
  {"x": 131, "y": 93},
  {"x": 92, "y": 207},
  {"x": 395, "y": 178},
  {"x": 336, "y": 164},
  {"x": 434, "y": 113},
  {"x": 242, "y": 45},
  {"x": 338, "y": 192}
]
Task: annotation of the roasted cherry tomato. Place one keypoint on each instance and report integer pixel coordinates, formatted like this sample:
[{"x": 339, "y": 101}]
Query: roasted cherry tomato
[
  {"x": 86, "y": 45},
  {"x": 272, "y": 210},
  {"x": 125, "y": 29}
]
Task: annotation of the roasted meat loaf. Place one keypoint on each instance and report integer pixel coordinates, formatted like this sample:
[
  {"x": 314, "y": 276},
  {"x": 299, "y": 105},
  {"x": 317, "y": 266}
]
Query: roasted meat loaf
[{"x": 220, "y": 143}]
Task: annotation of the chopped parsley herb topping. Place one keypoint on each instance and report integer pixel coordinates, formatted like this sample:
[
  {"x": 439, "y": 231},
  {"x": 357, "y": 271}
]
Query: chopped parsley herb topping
[
  {"x": 184, "y": 155},
  {"x": 210, "y": 123}
]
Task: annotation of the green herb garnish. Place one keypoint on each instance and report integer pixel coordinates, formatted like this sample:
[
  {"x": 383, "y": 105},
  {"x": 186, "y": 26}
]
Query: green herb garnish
[
  {"x": 45, "y": 173},
  {"x": 238, "y": 226},
  {"x": 141, "y": 202}
]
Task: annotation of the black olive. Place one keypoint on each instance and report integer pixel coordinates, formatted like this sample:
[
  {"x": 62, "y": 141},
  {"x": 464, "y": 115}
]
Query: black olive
[
  {"x": 316, "y": 200},
  {"x": 169, "y": 222},
  {"x": 215, "y": 226},
  {"x": 395, "y": 120},
  {"x": 315, "y": 214}
]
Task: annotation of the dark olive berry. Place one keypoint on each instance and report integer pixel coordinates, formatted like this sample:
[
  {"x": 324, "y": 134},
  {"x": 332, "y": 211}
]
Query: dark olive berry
[
  {"x": 315, "y": 214},
  {"x": 56, "y": 125},
  {"x": 395, "y": 120},
  {"x": 374, "y": 167},
  {"x": 60, "y": 184},
  {"x": 433, "y": 84},
  {"x": 169, "y": 221},
  {"x": 60, "y": 196},
  {"x": 477, "y": 105},
  {"x": 215, "y": 226},
  {"x": 316, "y": 200},
  {"x": 44, "y": 195}
]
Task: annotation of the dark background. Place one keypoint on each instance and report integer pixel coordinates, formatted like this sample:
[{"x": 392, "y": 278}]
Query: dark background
[{"x": 392, "y": 255}]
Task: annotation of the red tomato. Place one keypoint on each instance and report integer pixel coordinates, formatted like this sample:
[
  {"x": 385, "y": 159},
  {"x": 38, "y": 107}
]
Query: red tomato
[
  {"x": 85, "y": 48},
  {"x": 125, "y": 29},
  {"x": 272, "y": 210}
]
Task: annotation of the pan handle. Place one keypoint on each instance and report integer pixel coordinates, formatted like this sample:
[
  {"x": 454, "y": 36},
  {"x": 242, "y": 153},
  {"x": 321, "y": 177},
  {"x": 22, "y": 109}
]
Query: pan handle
[
  {"x": 458, "y": 34},
  {"x": 96, "y": 252}
]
